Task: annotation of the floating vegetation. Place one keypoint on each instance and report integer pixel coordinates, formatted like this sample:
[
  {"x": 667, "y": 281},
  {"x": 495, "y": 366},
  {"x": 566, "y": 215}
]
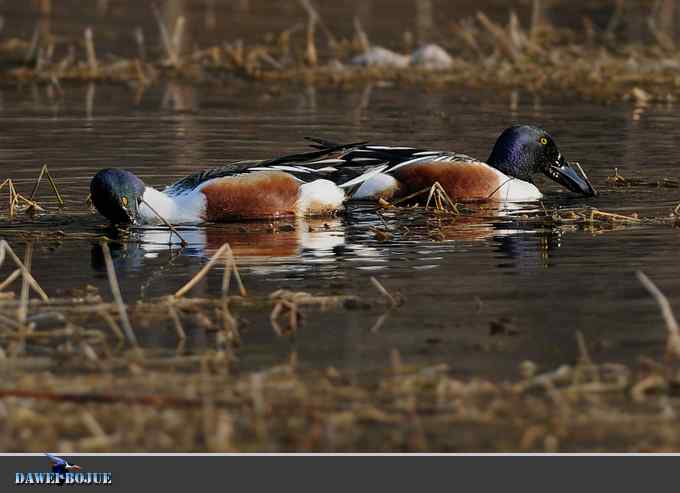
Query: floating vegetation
[{"x": 619, "y": 181}]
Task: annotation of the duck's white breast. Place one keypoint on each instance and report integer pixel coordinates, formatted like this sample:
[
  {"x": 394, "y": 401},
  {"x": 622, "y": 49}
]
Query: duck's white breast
[
  {"x": 186, "y": 208},
  {"x": 515, "y": 190}
]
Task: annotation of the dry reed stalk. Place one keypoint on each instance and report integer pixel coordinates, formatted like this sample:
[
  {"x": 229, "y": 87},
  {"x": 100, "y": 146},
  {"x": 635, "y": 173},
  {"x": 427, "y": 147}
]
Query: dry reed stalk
[
  {"x": 311, "y": 56},
  {"x": 46, "y": 172},
  {"x": 673, "y": 341},
  {"x": 223, "y": 250},
  {"x": 118, "y": 298},
  {"x": 412, "y": 196},
  {"x": 259, "y": 407},
  {"x": 503, "y": 41},
  {"x": 177, "y": 36},
  {"x": 33, "y": 47},
  {"x": 441, "y": 199},
  {"x": 314, "y": 15},
  {"x": 89, "y": 100},
  {"x": 141, "y": 47},
  {"x": 179, "y": 328},
  {"x": 29, "y": 203},
  {"x": 584, "y": 355},
  {"x": 22, "y": 311},
  {"x": 92, "y": 424},
  {"x": 226, "y": 276},
  {"x": 536, "y": 19},
  {"x": 379, "y": 323},
  {"x": 12, "y": 324},
  {"x": 10, "y": 279},
  {"x": 183, "y": 242},
  {"x": 12, "y": 199},
  {"x": 234, "y": 269},
  {"x": 361, "y": 35},
  {"x": 229, "y": 324},
  {"x": 166, "y": 39},
  {"x": 91, "y": 54},
  {"x": 595, "y": 213},
  {"x": 5, "y": 249},
  {"x": 293, "y": 311},
  {"x": 384, "y": 292}
]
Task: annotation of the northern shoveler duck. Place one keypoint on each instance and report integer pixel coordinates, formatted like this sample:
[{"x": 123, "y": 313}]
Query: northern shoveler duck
[
  {"x": 520, "y": 152},
  {"x": 296, "y": 185},
  {"x": 60, "y": 465}
]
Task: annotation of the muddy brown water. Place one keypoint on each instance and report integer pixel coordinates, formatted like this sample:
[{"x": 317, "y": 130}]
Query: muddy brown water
[{"x": 544, "y": 283}]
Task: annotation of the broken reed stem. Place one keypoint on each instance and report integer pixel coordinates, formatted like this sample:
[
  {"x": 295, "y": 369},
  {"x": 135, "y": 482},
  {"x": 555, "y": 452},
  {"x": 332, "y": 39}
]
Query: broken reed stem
[
  {"x": 384, "y": 291},
  {"x": 45, "y": 171},
  {"x": 110, "y": 321},
  {"x": 177, "y": 35},
  {"x": 91, "y": 55},
  {"x": 6, "y": 249},
  {"x": 22, "y": 312},
  {"x": 311, "y": 56},
  {"x": 226, "y": 276},
  {"x": 115, "y": 291},
  {"x": 441, "y": 198},
  {"x": 237, "y": 275},
  {"x": 613, "y": 216},
  {"x": 316, "y": 18},
  {"x": 223, "y": 250},
  {"x": 179, "y": 328},
  {"x": 165, "y": 35},
  {"x": 229, "y": 324},
  {"x": 139, "y": 39},
  {"x": 12, "y": 199},
  {"x": 29, "y": 203},
  {"x": 412, "y": 196},
  {"x": 362, "y": 38},
  {"x": 584, "y": 355},
  {"x": 183, "y": 242},
  {"x": 10, "y": 279},
  {"x": 673, "y": 344}
]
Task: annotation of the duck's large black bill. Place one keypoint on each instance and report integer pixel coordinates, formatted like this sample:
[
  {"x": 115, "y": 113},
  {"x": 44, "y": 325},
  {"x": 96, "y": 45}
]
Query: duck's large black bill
[{"x": 564, "y": 174}]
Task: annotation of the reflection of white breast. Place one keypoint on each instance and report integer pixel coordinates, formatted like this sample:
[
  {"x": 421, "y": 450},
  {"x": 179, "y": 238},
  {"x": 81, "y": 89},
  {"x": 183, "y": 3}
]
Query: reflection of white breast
[{"x": 322, "y": 241}]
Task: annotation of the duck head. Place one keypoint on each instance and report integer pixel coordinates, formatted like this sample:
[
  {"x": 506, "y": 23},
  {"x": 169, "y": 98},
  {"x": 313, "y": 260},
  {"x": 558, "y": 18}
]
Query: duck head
[
  {"x": 116, "y": 194},
  {"x": 522, "y": 150}
]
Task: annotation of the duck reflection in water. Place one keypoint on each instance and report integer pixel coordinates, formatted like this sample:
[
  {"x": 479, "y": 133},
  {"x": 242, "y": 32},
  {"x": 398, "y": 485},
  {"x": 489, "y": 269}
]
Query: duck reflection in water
[
  {"x": 270, "y": 248},
  {"x": 258, "y": 245}
]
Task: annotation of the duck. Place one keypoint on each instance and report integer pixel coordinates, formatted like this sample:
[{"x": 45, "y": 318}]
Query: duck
[
  {"x": 305, "y": 184},
  {"x": 520, "y": 152}
]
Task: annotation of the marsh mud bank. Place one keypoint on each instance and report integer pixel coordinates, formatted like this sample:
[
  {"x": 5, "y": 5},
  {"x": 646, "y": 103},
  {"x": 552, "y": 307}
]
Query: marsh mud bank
[{"x": 597, "y": 50}]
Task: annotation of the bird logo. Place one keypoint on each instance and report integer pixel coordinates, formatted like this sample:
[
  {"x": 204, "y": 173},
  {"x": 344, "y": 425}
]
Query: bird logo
[{"x": 60, "y": 465}]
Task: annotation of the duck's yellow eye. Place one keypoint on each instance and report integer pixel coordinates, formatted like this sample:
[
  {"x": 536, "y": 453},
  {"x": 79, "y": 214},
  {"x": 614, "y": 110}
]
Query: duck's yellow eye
[
  {"x": 543, "y": 141},
  {"x": 125, "y": 201}
]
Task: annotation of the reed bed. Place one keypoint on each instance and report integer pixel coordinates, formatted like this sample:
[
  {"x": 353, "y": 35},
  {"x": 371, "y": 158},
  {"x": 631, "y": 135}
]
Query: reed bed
[{"x": 475, "y": 53}]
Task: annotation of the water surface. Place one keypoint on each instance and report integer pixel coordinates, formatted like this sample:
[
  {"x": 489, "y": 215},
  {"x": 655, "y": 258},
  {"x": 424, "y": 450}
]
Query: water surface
[{"x": 459, "y": 278}]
